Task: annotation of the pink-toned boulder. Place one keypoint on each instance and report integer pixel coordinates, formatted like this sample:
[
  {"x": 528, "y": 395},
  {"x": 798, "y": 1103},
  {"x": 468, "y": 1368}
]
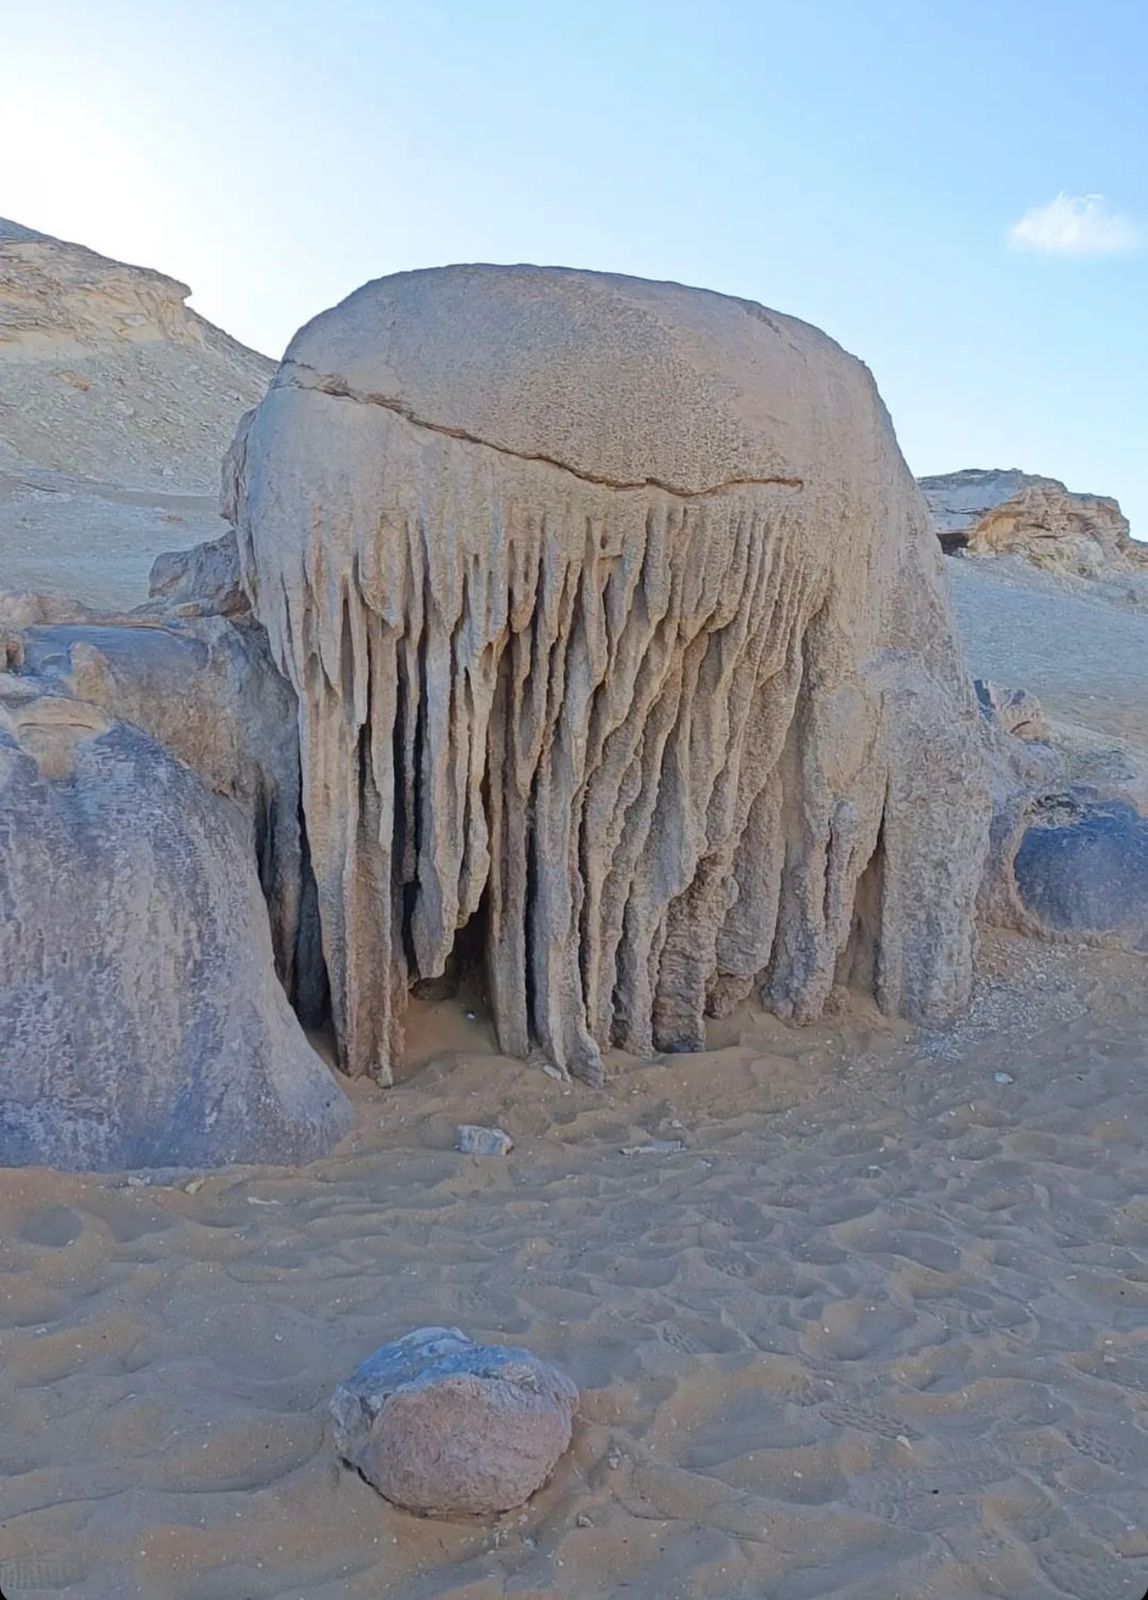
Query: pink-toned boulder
[{"x": 445, "y": 1427}]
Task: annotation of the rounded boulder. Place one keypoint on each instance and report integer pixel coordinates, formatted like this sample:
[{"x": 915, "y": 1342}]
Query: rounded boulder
[{"x": 445, "y": 1427}]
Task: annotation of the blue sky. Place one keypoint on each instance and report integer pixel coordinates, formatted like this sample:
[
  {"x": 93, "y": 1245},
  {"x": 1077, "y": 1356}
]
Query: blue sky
[{"x": 859, "y": 163}]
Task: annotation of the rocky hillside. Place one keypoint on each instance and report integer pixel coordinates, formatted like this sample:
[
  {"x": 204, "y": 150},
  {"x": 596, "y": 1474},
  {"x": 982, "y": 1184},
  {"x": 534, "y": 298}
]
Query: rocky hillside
[
  {"x": 1012, "y": 513},
  {"x": 105, "y": 373},
  {"x": 117, "y": 403},
  {"x": 958, "y": 500}
]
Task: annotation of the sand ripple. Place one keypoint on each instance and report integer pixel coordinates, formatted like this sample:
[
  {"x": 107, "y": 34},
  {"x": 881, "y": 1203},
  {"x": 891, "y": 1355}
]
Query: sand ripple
[{"x": 880, "y": 1331}]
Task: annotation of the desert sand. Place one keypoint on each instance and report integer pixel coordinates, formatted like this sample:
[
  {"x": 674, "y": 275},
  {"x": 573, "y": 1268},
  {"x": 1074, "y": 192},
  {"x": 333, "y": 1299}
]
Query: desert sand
[
  {"x": 1084, "y": 657},
  {"x": 878, "y": 1331}
]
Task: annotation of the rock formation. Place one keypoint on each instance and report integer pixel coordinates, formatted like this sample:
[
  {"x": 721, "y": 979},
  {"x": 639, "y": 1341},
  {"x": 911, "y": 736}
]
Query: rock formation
[
  {"x": 958, "y": 500},
  {"x": 1037, "y": 519},
  {"x": 116, "y": 404},
  {"x": 206, "y": 578},
  {"x": 1081, "y": 871},
  {"x": 619, "y": 633},
  {"x": 1011, "y": 711},
  {"x": 207, "y": 690},
  {"x": 1068, "y": 856},
  {"x": 446, "y": 1427},
  {"x": 108, "y": 374},
  {"x": 141, "y": 1021}
]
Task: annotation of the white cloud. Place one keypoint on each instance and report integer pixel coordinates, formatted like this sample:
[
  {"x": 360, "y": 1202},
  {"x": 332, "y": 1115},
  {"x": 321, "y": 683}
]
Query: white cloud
[{"x": 1076, "y": 225}]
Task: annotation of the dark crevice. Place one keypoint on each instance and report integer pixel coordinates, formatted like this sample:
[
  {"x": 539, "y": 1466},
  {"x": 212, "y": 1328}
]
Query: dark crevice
[
  {"x": 530, "y": 910},
  {"x": 312, "y": 992},
  {"x": 857, "y": 964}
]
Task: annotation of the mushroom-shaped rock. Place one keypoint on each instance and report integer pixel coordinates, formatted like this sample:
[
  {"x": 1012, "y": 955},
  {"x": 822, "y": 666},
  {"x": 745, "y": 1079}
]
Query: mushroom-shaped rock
[
  {"x": 446, "y": 1427},
  {"x": 619, "y": 631},
  {"x": 141, "y": 1020}
]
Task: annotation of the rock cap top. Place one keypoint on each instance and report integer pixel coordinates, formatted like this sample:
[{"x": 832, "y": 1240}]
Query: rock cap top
[{"x": 619, "y": 380}]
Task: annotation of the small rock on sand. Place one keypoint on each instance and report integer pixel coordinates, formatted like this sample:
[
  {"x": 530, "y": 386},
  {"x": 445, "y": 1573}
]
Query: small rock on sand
[
  {"x": 446, "y": 1427},
  {"x": 470, "y": 1140}
]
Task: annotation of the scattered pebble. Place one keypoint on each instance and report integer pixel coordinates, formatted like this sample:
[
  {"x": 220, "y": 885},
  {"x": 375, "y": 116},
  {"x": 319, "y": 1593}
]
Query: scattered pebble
[
  {"x": 1003, "y": 1077},
  {"x": 470, "y": 1140},
  {"x": 656, "y": 1147}
]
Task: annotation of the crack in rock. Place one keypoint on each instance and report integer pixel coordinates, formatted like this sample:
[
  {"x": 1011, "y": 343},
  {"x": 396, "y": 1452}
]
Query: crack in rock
[{"x": 339, "y": 389}]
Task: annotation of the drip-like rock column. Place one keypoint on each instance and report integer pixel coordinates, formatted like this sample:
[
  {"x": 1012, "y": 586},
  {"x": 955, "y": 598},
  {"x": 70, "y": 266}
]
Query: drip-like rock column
[{"x": 616, "y": 622}]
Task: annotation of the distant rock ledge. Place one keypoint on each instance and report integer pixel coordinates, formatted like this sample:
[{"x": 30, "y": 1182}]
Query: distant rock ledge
[{"x": 1007, "y": 512}]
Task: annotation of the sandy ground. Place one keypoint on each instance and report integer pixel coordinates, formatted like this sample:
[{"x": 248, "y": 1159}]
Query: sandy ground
[
  {"x": 878, "y": 1332},
  {"x": 1085, "y": 658},
  {"x": 93, "y": 541}
]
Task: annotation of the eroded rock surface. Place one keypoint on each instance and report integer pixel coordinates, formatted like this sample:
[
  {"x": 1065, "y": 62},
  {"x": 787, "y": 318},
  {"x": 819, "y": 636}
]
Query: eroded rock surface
[
  {"x": 205, "y": 578},
  {"x": 141, "y": 1020},
  {"x": 446, "y": 1427},
  {"x": 206, "y": 690},
  {"x": 990, "y": 513},
  {"x": 1068, "y": 856},
  {"x": 617, "y": 624},
  {"x": 958, "y": 500},
  {"x": 1012, "y": 711}
]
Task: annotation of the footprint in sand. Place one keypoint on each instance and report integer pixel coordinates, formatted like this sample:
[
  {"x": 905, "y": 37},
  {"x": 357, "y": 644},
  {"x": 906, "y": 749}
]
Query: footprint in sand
[
  {"x": 852, "y": 1331},
  {"x": 925, "y": 1498},
  {"x": 864, "y": 1419},
  {"x": 1106, "y": 1450},
  {"x": 245, "y": 1453},
  {"x": 923, "y": 1248},
  {"x": 1086, "y": 1570},
  {"x": 129, "y": 1219},
  {"x": 53, "y": 1227},
  {"x": 39, "y": 1575}
]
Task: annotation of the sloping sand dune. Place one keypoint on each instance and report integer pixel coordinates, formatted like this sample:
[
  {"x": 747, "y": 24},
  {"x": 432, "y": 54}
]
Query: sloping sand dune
[
  {"x": 1086, "y": 658},
  {"x": 879, "y": 1332}
]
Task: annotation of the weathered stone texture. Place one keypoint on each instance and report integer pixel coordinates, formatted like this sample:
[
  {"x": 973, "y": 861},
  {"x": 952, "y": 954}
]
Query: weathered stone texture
[
  {"x": 617, "y": 624},
  {"x": 141, "y": 1020}
]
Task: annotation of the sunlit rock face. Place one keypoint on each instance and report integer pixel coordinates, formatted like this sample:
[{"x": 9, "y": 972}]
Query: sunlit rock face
[
  {"x": 1011, "y": 513},
  {"x": 620, "y": 637}
]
